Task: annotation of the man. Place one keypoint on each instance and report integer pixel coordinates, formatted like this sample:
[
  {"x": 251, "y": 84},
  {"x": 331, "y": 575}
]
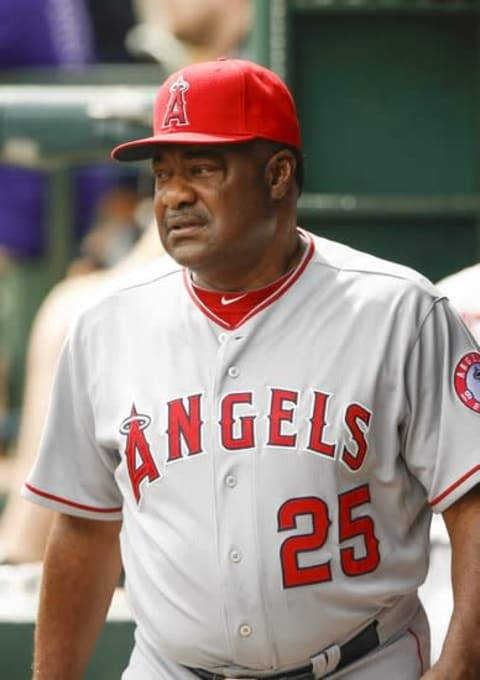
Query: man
[{"x": 267, "y": 422}]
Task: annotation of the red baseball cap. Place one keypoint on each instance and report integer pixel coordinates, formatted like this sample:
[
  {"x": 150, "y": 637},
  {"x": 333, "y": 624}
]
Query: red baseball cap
[{"x": 218, "y": 102}]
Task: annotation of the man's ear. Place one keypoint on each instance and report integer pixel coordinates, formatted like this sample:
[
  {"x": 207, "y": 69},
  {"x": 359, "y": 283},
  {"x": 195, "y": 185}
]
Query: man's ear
[{"x": 280, "y": 171}]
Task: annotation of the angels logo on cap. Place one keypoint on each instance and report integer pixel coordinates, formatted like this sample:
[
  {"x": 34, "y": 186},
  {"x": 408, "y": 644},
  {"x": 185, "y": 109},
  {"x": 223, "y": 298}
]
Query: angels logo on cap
[
  {"x": 467, "y": 380},
  {"x": 176, "y": 109}
]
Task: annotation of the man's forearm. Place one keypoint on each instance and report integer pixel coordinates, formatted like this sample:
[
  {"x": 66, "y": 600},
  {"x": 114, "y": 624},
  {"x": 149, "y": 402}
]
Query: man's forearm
[
  {"x": 460, "y": 657},
  {"x": 81, "y": 569}
]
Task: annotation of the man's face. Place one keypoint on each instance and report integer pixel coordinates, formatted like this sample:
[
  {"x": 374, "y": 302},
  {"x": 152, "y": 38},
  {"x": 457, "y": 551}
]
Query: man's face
[{"x": 214, "y": 209}]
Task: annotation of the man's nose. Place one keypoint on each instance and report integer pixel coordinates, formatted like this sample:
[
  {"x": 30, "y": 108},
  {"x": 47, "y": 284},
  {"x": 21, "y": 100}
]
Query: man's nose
[{"x": 177, "y": 192}]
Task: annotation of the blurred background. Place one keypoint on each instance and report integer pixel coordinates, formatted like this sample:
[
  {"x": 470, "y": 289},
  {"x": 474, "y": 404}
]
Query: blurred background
[{"x": 388, "y": 96}]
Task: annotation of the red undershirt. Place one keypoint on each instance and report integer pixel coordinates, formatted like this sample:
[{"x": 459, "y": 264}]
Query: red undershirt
[
  {"x": 232, "y": 308},
  {"x": 236, "y": 306}
]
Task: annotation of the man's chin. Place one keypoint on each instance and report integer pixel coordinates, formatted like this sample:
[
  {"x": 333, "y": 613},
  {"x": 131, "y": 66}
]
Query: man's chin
[{"x": 188, "y": 254}]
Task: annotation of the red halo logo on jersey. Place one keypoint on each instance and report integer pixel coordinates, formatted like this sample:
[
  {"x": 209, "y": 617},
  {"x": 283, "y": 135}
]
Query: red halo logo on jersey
[
  {"x": 140, "y": 462},
  {"x": 466, "y": 380}
]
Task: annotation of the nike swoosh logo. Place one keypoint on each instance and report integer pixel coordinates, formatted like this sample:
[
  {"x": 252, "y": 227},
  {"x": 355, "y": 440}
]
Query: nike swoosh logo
[{"x": 229, "y": 301}]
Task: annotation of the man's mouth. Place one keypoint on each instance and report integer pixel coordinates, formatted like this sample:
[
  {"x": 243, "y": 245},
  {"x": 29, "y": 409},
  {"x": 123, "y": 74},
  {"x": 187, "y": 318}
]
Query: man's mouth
[{"x": 184, "y": 223}]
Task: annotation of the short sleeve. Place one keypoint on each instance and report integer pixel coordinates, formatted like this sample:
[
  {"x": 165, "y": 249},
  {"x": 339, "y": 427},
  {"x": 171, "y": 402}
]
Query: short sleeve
[
  {"x": 442, "y": 430},
  {"x": 73, "y": 473}
]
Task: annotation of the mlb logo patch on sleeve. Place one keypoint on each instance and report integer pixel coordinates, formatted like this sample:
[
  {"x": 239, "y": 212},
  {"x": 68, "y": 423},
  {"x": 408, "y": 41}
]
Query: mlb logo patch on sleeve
[{"x": 466, "y": 380}]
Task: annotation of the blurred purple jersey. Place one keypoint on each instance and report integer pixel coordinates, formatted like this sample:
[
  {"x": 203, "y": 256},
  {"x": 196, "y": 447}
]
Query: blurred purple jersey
[
  {"x": 36, "y": 33},
  {"x": 45, "y": 32}
]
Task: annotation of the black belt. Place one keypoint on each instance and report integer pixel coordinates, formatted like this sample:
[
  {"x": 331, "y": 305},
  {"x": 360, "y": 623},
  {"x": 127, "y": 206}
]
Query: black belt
[{"x": 360, "y": 645}]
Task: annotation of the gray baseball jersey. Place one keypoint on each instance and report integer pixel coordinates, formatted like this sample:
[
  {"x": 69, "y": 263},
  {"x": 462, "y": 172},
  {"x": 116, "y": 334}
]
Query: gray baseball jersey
[{"x": 276, "y": 479}]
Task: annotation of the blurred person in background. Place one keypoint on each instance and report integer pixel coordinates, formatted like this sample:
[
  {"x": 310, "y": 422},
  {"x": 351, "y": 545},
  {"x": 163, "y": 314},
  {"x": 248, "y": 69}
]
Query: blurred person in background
[
  {"x": 37, "y": 34},
  {"x": 178, "y": 32},
  {"x": 114, "y": 230},
  {"x": 23, "y": 533},
  {"x": 463, "y": 290},
  {"x": 190, "y": 29},
  {"x": 210, "y": 28},
  {"x": 60, "y": 35}
]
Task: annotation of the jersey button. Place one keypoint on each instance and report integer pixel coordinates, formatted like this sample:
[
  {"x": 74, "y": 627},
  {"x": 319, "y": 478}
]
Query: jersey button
[
  {"x": 245, "y": 630},
  {"x": 231, "y": 481},
  {"x": 222, "y": 338},
  {"x": 235, "y": 556},
  {"x": 233, "y": 372}
]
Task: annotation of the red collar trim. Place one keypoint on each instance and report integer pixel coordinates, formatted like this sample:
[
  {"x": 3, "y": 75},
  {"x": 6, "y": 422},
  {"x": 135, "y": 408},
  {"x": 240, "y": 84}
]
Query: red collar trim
[{"x": 277, "y": 292}]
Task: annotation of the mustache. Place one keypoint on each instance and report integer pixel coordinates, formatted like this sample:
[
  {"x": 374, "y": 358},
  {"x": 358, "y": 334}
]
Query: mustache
[{"x": 184, "y": 217}]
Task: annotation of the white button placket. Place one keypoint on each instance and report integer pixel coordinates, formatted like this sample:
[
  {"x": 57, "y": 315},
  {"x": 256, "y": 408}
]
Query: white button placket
[
  {"x": 235, "y": 506},
  {"x": 233, "y": 372}
]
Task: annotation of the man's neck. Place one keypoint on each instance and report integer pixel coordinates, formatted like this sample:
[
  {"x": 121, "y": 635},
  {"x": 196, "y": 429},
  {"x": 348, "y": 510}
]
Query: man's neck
[{"x": 254, "y": 278}]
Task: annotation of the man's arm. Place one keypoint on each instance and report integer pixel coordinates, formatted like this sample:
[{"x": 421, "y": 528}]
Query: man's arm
[
  {"x": 81, "y": 570},
  {"x": 460, "y": 657}
]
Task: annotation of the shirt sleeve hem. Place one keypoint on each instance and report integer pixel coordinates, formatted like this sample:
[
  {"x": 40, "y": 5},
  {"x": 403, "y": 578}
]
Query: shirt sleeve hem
[
  {"x": 456, "y": 490},
  {"x": 68, "y": 506}
]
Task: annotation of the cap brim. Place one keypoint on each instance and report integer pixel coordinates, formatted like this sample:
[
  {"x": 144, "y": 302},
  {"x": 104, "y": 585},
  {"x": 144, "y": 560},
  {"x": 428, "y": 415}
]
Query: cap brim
[{"x": 143, "y": 149}]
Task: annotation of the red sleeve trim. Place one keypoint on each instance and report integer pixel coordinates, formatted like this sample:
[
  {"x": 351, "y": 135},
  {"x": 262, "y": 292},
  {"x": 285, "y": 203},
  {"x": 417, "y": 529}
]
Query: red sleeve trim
[
  {"x": 455, "y": 485},
  {"x": 66, "y": 501}
]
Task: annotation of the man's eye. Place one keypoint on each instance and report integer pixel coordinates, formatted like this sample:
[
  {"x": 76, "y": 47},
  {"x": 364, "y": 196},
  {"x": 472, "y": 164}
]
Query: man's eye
[
  {"x": 160, "y": 175},
  {"x": 202, "y": 170}
]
